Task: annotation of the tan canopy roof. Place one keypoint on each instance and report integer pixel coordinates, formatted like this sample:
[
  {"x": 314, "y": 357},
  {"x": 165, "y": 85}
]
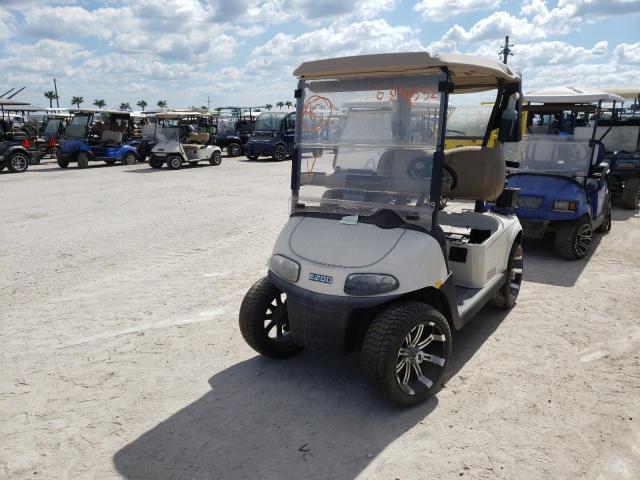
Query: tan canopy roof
[
  {"x": 624, "y": 92},
  {"x": 570, "y": 95},
  {"x": 466, "y": 70}
]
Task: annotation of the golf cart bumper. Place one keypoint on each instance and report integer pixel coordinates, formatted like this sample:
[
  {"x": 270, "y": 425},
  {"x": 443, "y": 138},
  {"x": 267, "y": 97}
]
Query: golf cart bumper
[
  {"x": 258, "y": 148},
  {"x": 534, "y": 229},
  {"x": 321, "y": 322}
]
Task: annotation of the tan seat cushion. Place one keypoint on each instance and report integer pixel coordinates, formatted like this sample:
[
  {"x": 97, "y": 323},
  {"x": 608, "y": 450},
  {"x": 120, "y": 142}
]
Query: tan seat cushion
[
  {"x": 481, "y": 172},
  {"x": 198, "y": 137}
]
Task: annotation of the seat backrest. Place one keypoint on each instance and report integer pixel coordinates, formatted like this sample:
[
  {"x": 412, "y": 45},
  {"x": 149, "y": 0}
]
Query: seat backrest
[
  {"x": 395, "y": 162},
  {"x": 111, "y": 137},
  {"x": 481, "y": 172},
  {"x": 198, "y": 137}
]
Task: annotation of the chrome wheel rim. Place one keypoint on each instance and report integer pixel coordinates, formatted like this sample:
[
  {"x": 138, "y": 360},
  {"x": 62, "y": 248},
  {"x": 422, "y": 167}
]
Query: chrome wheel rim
[
  {"x": 19, "y": 162},
  {"x": 516, "y": 272},
  {"x": 280, "y": 152},
  {"x": 217, "y": 159},
  {"x": 235, "y": 150},
  {"x": 276, "y": 320},
  {"x": 583, "y": 239},
  {"x": 421, "y": 358},
  {"x": 130, "y": 160},
  {"x": 175, "y": 162}
]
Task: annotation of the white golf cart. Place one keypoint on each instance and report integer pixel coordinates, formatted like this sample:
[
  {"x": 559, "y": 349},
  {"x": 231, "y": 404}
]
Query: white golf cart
[
  {"x": 177, "y": 142},
  {"x": 366, "y": 260}
]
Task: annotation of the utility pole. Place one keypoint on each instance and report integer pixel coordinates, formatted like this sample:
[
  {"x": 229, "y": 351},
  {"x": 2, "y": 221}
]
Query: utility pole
[
  {"x": 55, "y": 88},
  {"x": 506, "y": 51},
  {"x": 208, "y": 103}
]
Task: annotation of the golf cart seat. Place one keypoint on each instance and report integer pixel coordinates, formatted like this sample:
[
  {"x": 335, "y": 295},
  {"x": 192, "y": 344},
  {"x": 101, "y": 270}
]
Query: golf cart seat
[
  {"x": 198, "y": 137},
  {"x": 481, "y": 172},
  {"x": 111, "y": 137}
]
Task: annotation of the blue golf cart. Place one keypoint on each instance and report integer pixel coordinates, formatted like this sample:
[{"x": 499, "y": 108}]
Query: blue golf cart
[
  {"x": 273, "y": 136},
  {"x": 561, "y": 175},
  {"x": 98, "y": 135}
]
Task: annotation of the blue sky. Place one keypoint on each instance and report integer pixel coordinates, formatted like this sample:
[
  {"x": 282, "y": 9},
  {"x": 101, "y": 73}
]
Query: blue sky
[{"x": 243, "y": 51}]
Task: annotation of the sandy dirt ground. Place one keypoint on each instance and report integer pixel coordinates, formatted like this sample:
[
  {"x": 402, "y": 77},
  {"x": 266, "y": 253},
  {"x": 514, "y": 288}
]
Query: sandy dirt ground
[{"x": 121, "y": 355}]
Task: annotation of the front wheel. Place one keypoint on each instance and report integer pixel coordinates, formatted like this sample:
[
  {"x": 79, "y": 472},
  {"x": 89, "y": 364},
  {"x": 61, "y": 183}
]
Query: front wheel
[
  {"x": 129, "y": 159},
  {"x": 508, "y": 293},
  {"x": 234, "y": 150},
  {"x": 573, "y": 239},
  {"x": 279, "y": 153},
  {"x": 406, "y": 351},
  {"x": 174, "y": 162},
  {"x": 18, "y": 162},
  {"x": 605, "y": 227},
  {"x": 155, "y": 162},
  {"x": 630, "y": 194},
  {"x": 216, "y": 159},
  {"x": 264, "y": 321}
]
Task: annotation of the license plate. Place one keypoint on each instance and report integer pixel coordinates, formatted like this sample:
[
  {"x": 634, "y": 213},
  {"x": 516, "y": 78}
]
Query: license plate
[{"x": 321, "y": 278}]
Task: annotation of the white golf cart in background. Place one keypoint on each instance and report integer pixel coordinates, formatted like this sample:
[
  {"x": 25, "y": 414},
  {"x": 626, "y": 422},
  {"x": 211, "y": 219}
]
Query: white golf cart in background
[
  {"x": 178, "y": 142},
  {"x": 366, "y": 260}
]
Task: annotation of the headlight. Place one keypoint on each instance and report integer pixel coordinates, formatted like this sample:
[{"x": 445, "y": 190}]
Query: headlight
[
  {"x": 369, "y": 284},
  {"x": 565, "y": 206},
  {"x": 287, "y": 269}
]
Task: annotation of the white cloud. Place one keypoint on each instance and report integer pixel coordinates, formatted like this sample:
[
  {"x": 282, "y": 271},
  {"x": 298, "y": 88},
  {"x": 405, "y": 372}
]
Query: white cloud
[
  {"x": 6, "y": 24},
  {"x": 627, "y": 53},
  {"x": 439, "y": 10},
  {"x": 496, "y": 25}
]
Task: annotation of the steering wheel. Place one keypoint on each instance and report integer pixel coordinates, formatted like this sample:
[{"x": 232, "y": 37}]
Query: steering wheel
[
  {"x": 419, "y": 168},
  {"x": 454, "y": 176}
]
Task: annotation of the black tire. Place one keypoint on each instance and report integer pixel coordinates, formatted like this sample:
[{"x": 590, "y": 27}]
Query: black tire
[
  {"x": 506, "y": 297},
  {"x": 234, "y": 149},
  {"x": 389, "y": 353},
  {"x": 1, "y": 167},
  {"x": 263, "y": 309},
  {"x": 129, "y": 159},
  {"x": 83, "y": 159},
  {"x": 253, "y": 158},
  {"x": 216, "y": 159},
  {"x": 605, "y": 227},
  {"x": 62, "y": 161},
  {"x": 573, "y": 239},
  {"x": 155, "y": 162},
  {"x": 279, "y": 153},
  {"x": 110, "y": 162},
  {"x": 630, "y": 194},
  {"x": 17, "y": 162},
  {"x": 174, "y": 162}
]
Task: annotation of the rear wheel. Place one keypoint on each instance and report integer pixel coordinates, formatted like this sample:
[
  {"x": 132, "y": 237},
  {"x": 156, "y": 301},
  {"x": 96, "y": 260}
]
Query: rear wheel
[
  {"x": 279, "y": 153},
  {"x": 406, "y": 351},
  {"x": 264, "y": 321},
  {"x": 508, "y": 293},
  {"x": 129, "y": 159},
  {"x": 155, "y": 162},
  {"x": 234, "y": 150},
  {"x": 630, "y": 194},
  {"x": 216, "y": 159},
  {"x": 83, "y": 160},
  {"x": 605, "y": 227},
  {"x": 18, "y": 162},
  {"x": 174, "y": 162},
  {"x": 573, "y": 239}
]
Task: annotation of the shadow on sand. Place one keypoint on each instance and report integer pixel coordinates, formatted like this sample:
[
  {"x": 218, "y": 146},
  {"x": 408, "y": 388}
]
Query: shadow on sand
[{"x": 309, "y": 416}]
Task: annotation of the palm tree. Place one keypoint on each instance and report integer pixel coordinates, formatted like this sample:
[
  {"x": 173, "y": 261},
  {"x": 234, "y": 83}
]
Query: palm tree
[
  {"x": 288, "y": 104},
  {"x": 162, "y": 104},
  {"x": 125, "y": 106},
  {"x": 99, "y": 103},
  {"x": 142, "y": 104},
  {"x": 77, "y": 101},
  {"x": 268, "y": 106},
  {"x": 51, "y": 96},
  {"x": 280, "y": 104}
]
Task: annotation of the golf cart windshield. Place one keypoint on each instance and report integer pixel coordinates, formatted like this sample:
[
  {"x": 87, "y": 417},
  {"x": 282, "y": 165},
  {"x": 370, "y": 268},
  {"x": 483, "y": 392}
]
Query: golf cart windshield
[
  {"x": 269, "y": 121},
  {"x": 52, "y": 126},
  {"x": 168, "y": 130},
  {"x": 77, "y": 128},
  {"x": 367, "y": 145},
  {"x": 469, "y": 122},
  {"x": 551, "y": 154}
]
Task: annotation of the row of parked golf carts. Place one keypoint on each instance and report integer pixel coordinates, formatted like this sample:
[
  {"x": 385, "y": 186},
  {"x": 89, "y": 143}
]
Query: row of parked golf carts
[{"x": 369, "y": 260}]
